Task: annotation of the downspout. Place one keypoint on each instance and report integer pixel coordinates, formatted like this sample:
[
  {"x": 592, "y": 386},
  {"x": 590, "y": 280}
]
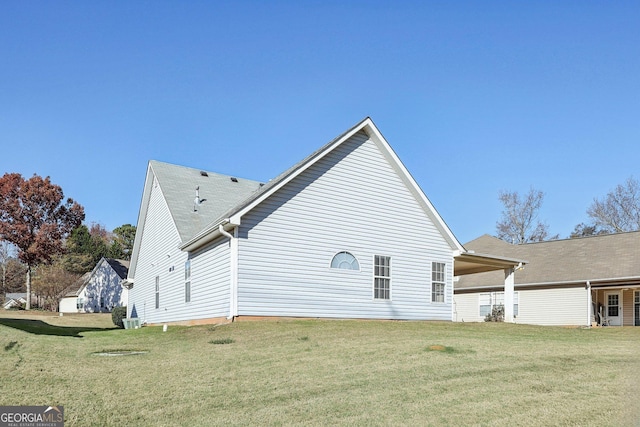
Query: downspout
[
  {"x": 589, "y": 303},
  {"x": 233, "y": 267}
]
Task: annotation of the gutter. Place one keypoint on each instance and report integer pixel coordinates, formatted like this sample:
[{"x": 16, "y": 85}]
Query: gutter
[
  {"x": 233, "y": 267},
  {"x": 209, "y": 234},
  {"x": 612, "y": 282}
]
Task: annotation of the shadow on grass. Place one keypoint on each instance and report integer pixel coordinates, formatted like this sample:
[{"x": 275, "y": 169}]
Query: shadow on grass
[{"x": 39, "y": 327}]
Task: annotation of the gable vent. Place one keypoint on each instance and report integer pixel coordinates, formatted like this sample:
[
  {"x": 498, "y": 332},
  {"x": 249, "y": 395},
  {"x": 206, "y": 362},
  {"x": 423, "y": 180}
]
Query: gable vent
[
  {"x": 203, "y": 173},
  {"x": 234, "y": 179}
]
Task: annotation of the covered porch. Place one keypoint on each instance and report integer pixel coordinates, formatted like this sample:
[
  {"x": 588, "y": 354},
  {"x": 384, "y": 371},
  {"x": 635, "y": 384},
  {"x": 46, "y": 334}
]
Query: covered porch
[
  {"x": 616, "y": 304},
  {"x": 466, "y": 263}
]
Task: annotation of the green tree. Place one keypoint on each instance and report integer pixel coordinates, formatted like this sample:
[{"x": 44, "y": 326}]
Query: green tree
[
  {"x": 85, "y": 247},
  {"x": 35, "y": 218},
  {"x": 122, "y": 245}
]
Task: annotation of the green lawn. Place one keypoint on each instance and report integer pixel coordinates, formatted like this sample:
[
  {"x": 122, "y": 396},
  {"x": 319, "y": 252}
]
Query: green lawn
[{"x": 313, "y": 372}]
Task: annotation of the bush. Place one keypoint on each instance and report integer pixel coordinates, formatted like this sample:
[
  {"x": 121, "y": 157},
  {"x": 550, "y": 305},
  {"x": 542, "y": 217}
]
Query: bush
[
  {"x": 496, "y": 315},
  {"x": 117, "y": 315}
]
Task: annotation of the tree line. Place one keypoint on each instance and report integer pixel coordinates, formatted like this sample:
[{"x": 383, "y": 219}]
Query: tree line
[
  {"x": 44, "y": 242},
  {"x": 617, "y": 212}
]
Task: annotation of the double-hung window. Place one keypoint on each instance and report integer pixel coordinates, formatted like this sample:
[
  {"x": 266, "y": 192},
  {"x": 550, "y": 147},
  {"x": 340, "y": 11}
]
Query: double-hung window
[
  {"x": 381, "y": 277},
  {"x": 490, "y": 300},
  {"x": 187, "y": 281},
  {"x": 438, "y": 281}
]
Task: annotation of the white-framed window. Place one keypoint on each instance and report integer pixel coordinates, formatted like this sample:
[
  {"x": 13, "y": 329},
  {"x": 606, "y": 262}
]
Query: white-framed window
[
  {"x": 157, "y": 291},
  {"x": 613, "y": 305},
  {"x": 438, "y": 281},
  {"x": 345, "y": 261},
  {"x": 381, "y": 277},
  {"x": 187, "y": 281},
  {"x": 80, "y": 303},
  {"x": 489, "y": 300}
]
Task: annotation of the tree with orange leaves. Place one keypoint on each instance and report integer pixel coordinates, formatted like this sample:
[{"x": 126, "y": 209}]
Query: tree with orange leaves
[{"x": 35, "y": 219}]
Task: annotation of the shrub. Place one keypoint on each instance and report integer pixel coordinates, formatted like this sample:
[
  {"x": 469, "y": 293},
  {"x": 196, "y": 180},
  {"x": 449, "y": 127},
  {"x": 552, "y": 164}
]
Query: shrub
[
  {"x": 496, "y": 315},
  {"x": 117, "y": 314}
]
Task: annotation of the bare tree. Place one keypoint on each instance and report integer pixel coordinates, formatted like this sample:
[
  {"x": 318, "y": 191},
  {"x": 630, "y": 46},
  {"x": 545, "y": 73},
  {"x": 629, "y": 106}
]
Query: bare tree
[
  {"x": 619, "y": 210},
  {"x": 50, "y": 282},
  {"x": 519, "y": 222},
  {"x": 6, "y": 250}
]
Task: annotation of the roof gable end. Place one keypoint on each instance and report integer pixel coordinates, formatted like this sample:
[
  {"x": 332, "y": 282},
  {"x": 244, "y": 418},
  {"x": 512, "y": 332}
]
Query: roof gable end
[{"x": 233, "y": 217}]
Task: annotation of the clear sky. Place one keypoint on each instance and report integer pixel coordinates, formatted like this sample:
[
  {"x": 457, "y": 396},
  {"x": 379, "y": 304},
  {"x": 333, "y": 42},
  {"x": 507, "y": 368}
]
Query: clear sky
[{"x": 475, "y": 97}]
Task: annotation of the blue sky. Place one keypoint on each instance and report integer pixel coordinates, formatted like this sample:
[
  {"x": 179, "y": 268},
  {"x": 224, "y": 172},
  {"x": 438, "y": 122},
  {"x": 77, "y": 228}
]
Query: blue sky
[{"x": 475, "y": 97}]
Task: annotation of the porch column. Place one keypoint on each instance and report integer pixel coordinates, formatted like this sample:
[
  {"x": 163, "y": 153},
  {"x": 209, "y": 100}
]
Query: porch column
[
  {"x": 590, "y": 314},
  {"x": 509, "y": 274}
]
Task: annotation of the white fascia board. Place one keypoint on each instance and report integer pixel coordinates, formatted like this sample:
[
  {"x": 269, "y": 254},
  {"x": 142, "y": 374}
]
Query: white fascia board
[
  {"x": 142, "y": 217},
  {"x": 236, "y": 218},
  {"x": 209, "y": 235},
  {"x": 411, "y": 183}
]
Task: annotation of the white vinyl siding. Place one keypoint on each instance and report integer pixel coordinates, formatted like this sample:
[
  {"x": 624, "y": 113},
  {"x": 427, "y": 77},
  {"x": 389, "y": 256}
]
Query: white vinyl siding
[
  {"x": 159, "y": 255},
  {"x": 285, "y": 241},
  {"x": 552, "y": 307}
]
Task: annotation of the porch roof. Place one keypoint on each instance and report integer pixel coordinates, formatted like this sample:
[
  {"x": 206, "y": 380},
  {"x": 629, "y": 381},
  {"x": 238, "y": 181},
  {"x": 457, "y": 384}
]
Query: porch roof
[
  {"x": 472, "y": 263},
  {"x": 603, "y": 261}
]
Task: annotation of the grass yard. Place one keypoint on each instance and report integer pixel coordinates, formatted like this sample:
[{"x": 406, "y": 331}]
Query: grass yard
[{"x": 313, "y": 372}]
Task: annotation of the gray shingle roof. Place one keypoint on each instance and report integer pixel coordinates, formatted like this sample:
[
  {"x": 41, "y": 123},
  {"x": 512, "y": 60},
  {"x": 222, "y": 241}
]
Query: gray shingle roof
[
  {"x": 74, "y": 289},
  {"x": 120, "y": 266},
  {"x": 595, "y": 258},
  {"x": 218, "y": 192}
]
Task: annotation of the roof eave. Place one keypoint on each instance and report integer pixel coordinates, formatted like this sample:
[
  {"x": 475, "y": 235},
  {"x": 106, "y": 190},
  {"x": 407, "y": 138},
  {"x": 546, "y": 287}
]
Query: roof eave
[
  {"x": 208, "y": 235},
  {"x": 472, "y": 263}
]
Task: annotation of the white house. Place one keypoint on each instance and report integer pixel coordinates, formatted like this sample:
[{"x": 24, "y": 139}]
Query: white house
[
  {"x": 345, "y": 233},
  {"x": 12, "y": 300},
  {"x": 572, "y": 282},
  {"x": 98, "y": 291}
]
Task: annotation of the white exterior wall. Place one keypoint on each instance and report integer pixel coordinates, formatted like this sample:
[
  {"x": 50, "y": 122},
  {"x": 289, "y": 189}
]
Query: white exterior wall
[
  {"x": 158, "y": 253},
  {"x": 103, "y": 285},
  {"x": 354, "y": 201},
  {"x": 210, "y": 282},
  {"x": 551, "y": 307},
  {"x": 466, "y": 308},
  {"x": 68, "y": 305}
]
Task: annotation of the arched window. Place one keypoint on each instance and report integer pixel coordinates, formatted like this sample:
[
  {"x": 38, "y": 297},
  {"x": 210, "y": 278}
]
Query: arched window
[{"x": 344, "y": 260}]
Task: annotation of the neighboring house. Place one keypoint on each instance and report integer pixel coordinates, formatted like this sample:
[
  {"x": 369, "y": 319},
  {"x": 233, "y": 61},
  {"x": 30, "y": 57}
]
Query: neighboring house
[
  {"x": 74, "y": 296},
  {"x": 346, "y": 233},
  {"x": 12, "y": 300},
  {"x": 98, "y": 291},
  {"x": 565, "y": 282}
]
